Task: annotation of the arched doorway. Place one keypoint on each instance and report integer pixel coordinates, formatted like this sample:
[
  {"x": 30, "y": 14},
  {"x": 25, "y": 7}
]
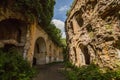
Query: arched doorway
[
  {"x": 39, "y": 52},
  {"x": 86, "y": 54}
]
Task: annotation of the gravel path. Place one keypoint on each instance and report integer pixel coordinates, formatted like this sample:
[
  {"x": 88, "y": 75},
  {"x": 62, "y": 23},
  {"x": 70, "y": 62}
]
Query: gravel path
[{"x": 50, "y": 72}]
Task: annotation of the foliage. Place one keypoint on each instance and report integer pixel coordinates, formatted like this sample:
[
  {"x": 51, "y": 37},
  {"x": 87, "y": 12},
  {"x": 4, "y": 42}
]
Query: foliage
[
  {"x": 91, "y": 72},
  {"x": 42, "y": 10},
  {"x": 71, "y": 75},
  {"x": 64, "y": 42},
  {"x": 13, "y": 67},
  {"x": 55, "y": 34},
  {"x": 65, "y": 55},
  {"x": 67, "y": 13},
  {"x": 71, "y": 6}
]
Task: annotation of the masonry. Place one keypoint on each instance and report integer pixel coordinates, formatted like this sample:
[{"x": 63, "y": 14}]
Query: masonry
[
  {"x": 28, "y": 37},
  {"x": 93, "y": 33}
]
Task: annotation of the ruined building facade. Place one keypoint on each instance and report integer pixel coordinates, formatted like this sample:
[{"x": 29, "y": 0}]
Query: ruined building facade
[
  {"x": 28, "y": 37},
  {"x": 93, "y": 32}
]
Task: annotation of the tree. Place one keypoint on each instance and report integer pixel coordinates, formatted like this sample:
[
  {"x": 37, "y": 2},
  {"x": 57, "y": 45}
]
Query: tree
[{"x": 55, "y": 34}]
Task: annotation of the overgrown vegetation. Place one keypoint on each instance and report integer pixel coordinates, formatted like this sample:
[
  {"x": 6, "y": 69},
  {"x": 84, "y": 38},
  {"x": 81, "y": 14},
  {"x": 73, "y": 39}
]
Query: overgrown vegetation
[
  {"x": 55, "y": 34},
  {"x": 41, "y": 10},
  {"x": 14, "y": 67},
  {"x": 91, "y": 72}
]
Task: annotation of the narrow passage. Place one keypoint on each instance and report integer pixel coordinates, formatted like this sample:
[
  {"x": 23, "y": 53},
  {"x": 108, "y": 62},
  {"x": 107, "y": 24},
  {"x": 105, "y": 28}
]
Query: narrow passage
[{"x": 50, "y": 72}]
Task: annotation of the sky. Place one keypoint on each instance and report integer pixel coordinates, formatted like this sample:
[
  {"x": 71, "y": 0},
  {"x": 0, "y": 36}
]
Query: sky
[{"x": 60, "y": 10}]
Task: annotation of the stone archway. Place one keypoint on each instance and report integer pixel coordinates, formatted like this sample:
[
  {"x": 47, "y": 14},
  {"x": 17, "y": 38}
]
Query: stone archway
[
  {"x": 86, "y": 54},
  {"x": 39, "y": 57},
  {"x": 13, "y": 32}
]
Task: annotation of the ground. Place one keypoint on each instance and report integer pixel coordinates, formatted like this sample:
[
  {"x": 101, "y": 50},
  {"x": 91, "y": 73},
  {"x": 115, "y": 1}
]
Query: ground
[{"x": 50, "y": 72}]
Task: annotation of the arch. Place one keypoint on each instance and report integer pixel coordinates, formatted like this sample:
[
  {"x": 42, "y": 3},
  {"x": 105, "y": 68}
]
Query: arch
[
  {"x": 78, "y": 17},
  {"x": 39, "y": 52},
  {"x": 11, "y": 29},
  {"x": 13, "y": 32},
  {"x": 86, "y": 54}
]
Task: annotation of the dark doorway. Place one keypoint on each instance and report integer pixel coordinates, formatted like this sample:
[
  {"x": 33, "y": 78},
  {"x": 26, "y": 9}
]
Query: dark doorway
[
  {"x": 85, "y": 52},
  {"x": 7, "y": 47},
  {"x": 34, "y": 61}
]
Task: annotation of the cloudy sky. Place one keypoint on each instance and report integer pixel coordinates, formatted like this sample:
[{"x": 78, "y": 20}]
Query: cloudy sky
[{"x": 60, "y": 10}]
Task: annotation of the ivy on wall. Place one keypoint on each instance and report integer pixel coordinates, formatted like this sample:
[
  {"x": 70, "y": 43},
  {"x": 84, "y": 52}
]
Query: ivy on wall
[
  {"x": 42, "y": 10},
  {"x": 55, "y": 34}
]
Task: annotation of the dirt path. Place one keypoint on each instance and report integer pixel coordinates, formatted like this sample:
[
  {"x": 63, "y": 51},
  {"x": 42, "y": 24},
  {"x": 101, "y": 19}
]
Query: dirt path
[{"x": 50, "y": 72}]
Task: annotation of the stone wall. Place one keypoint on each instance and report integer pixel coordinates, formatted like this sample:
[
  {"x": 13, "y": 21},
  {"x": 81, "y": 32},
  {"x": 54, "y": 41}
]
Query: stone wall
[
  {"x": 93, "y": 32},
  {"x": 18, "y": 31}
]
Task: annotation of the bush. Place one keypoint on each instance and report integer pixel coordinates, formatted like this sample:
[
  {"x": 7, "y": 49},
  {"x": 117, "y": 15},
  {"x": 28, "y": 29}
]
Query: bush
[
  {"x": 14, "y": 67},
  {"x": 71, "y": 75},
  {"x": 92, "y": 72}
]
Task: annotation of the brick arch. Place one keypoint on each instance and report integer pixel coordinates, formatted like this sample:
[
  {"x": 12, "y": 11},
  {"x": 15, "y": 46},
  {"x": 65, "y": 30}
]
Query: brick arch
[{"x": 40, "y": 51}]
